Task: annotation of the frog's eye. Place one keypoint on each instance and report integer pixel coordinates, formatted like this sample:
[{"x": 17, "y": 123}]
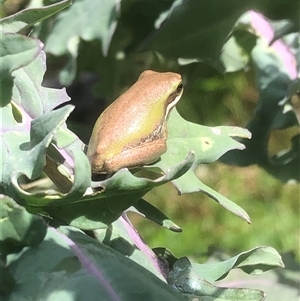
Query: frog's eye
[{"x": 179, "y": 88}]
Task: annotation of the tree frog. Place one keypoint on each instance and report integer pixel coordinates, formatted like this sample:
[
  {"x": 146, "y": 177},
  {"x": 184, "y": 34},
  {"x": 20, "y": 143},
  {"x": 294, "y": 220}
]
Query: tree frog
[{"x": 132, "y": 131}]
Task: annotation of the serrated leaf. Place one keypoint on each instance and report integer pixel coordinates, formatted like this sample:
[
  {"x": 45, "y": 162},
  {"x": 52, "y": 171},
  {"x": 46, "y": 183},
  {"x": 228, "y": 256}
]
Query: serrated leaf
[
  {"x": 51, "y": 121},
  {"x": 208, "y": 144},
  {"x": 30, "y": 95},
  {"x": 29, "y": 117},
  {"x": 147, "y": 210},
  {"x": 69, "y": 265},
  {"x": 27, "y": 154},
  {"x": 26, "y": 18},
  {"x": 18, "y": 227},
  {"x": 186, "y": 280},
  {"x": 191, "y": 183},
  {"x": 254, "y": 261},
  {"x": 16, "y": 51}
]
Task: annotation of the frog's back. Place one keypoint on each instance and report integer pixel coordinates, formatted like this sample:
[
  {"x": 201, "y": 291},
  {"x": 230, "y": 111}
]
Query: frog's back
[{"x": 132, "y": 117}]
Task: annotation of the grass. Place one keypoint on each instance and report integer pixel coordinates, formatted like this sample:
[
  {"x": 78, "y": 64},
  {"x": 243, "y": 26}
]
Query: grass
[{"x": 273, "y": 208}]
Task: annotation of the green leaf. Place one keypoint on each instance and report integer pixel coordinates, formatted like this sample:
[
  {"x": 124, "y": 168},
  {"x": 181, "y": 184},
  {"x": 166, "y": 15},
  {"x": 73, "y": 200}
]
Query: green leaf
[
  {"x": 208, "y": 144},
  {"x": 186, "y": 280},
  {"x": 275, "y": 64},
  {"x": 16, "y": 51},
  {"x": 7, "y": 282},
  {"x": 69, "y": 265},
  {"x": 82, "y": 180},
  {"x": 30, "y": 117},
  {"x": 147, "y": 210},
  {"x": 84, "y": 20},
  {"x": 30, "y": 101},
  {"x": 254, "y": 261},
  {"x": 90, "y": 215},
  {"x": 48, "y": 122},
  {"x": 102, "y": 205},
  {"x": 233, "y": 56},
  {"x": 288, "y": 160},
  {"x": 124, "y": 238},
  {"x": 18, "y": 227},
  {"x": 132, "y": 188},
  {"x": 28, "y": 17},
  {"x": 30, "y": 95},
  {"x": 196, "y": 29},
  {"x": 189, "y": 179},
  {"x": 32, "y": 148},
  {"x": 278, "y": 284}
]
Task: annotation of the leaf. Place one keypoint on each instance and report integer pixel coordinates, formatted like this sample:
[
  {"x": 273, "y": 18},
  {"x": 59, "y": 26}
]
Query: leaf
[
  {"x": 196, "y": 29},
  {"x": 124, "y": 238},
  {"x": 208, "y": 144},
  {"x": 233, "y": 56},
  {"x": 147, "y": 210},
  {"x": 16, "y": 51},
  {"x": 278, "y": 284},
  {"x": 276, "y": 71},
  {"x": 100, "y": 207},
  {"x": 30, "y": 95},
  {"x": 81, "y": 183},
  {"x": 31, "y": 111},
  {"x": 87, "y": 20},
  {"x": 7, "y": 282},
  {"x": 69, "y": 265},
  {"x": 254, "y": 261},
  {"x": 186, "y": 280},
  {"x": 18, "y": 227},
  {"x": 288, "y": 160},
  {"x": 28, "y": 17},
  {"x": 32, "y": 148}
]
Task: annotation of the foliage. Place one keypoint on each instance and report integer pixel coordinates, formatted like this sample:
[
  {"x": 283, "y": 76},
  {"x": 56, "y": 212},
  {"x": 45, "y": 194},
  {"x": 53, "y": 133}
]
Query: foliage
[{"x": 60, "y": 258}]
